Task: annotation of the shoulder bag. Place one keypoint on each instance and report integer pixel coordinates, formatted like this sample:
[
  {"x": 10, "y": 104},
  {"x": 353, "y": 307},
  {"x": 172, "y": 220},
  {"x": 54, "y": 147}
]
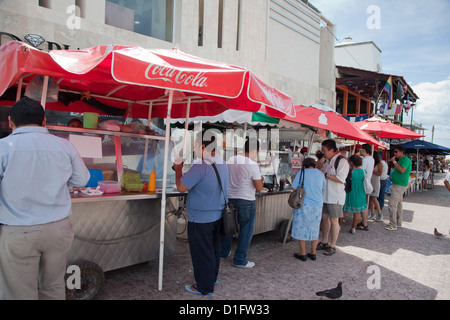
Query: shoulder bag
[
  {"x": 230, "y": 220},
  {"x": 368, "y": 188},
  {"x": 297, "y": 196}
]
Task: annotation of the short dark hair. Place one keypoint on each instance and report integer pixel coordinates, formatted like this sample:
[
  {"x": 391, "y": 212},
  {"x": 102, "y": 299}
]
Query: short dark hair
[
  {"x": 400, "y": 148},
  {"x": 250, "y": 145},
  {"x": 330, "y": 145},
  {"x": 27, "y": 111},
  {"x": 356, "y": 160},
  {"x": 367, "y": 148},
  {"x": 309, "y": 163}
]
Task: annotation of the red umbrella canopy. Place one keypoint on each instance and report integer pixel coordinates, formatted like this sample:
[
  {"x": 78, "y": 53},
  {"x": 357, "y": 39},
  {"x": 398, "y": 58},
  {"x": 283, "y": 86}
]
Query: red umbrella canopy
[
  {"x": 386, "y": 129},
  {"x": 323, "y": 117},
  {"x": 124, "y": 75}
]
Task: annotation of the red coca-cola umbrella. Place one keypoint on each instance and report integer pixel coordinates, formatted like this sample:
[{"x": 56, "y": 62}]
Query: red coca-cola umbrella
[
  {"x": 386, "y": 129},
  {"x": 320, "y": 116},
  {"x": 118, "y": 76},
  {"x": 148, "y": 83}
]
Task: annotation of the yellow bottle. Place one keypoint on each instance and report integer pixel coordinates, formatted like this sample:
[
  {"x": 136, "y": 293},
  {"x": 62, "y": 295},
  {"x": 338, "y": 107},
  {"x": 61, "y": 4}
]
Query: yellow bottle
[{"x": 152, "y": 182}]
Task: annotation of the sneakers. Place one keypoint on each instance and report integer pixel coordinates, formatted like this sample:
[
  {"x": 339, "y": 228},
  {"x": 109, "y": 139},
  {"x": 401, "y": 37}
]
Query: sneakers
[
  {"x": 352, "y": 230},
  {"x": 247, "y": 266},
  {"x": 390, "y": 228}
]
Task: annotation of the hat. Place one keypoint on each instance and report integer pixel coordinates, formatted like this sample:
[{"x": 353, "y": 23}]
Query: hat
[{"x": 304, "y": 149}]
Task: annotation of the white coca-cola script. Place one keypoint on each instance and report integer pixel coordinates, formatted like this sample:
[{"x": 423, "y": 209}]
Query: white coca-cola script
[{"x": 195, "y": 79}]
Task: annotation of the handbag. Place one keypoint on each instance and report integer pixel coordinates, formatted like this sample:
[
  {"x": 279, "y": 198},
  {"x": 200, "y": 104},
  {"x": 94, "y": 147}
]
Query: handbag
[
  {"x": 230, "y": 220},
  {"x": 368, "y": 188},
  {"x": 297, "y": 196}
]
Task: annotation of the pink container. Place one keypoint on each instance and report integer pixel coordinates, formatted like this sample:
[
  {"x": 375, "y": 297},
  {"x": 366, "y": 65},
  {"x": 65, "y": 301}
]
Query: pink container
[{"x": 109, "y": 186}]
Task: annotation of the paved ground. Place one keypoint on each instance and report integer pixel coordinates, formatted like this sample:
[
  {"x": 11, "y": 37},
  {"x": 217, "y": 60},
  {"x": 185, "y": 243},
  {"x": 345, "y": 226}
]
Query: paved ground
[{"x": 410, "y": 263}]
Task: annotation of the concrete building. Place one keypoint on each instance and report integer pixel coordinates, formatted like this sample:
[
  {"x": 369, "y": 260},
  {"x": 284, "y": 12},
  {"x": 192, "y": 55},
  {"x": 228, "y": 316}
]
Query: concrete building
[
  {"x": 361, "y": 55},
  {"x": 285, "y": 42}
]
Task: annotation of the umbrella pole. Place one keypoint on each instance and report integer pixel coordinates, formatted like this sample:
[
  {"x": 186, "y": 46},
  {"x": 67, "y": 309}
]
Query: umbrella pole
[
  {"x": 149, "y": 119},
  {"x": 44, "y": 91},
  {"x": 163, "y": 199},
  {"x": 186, "y": 129},
  {"x": 19, "y": 89}
]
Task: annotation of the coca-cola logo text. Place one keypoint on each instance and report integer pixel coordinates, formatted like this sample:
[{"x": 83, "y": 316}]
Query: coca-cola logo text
[{"x": 168, "y": 74}]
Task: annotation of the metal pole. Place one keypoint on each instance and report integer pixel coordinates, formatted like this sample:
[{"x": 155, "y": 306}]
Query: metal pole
[
  {"x": 44, "y": 91},
  {"x": 164, "y": 187}
]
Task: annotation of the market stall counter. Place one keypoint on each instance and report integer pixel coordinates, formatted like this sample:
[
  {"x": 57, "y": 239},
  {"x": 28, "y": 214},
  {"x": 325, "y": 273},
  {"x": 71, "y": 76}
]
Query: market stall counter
[{"x": 272, "y": 211}]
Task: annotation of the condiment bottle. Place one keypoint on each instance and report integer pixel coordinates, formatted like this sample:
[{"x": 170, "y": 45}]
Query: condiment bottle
[{"x": 152, "y": 182}]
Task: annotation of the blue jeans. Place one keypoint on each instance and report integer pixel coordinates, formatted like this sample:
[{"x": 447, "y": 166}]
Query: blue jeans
[
  {"x": 383, "y": 185},
  {"x": 247, "y": 215}
]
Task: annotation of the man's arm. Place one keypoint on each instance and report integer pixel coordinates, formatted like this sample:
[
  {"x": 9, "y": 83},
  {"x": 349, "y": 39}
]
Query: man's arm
[
  {"x": 178, "y": 174},
  {"x": 258, "y": 184},
  {"x": 447, "y": 185}
]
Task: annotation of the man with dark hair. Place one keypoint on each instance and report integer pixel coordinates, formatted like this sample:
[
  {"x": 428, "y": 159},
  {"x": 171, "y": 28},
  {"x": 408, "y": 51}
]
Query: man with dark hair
[
  {"x": 245, "y": 179},
  {"x": 400, "y": 181},
  {"x": 205, "y": 203},
  {"x": 36, "y": 232},
  {"x": 334, "y": 194}
]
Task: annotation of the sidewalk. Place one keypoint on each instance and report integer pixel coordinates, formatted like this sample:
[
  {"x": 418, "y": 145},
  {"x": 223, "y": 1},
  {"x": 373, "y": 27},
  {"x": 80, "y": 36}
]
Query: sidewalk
[{"x": 411, "y": 263}]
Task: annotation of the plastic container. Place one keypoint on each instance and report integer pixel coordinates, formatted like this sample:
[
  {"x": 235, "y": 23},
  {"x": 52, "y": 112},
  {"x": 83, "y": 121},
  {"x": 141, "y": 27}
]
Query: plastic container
[
  {"x": 109, "y": 186},
  {"x": 152, "y": 182},
  {"x": 90, "y": 120}
]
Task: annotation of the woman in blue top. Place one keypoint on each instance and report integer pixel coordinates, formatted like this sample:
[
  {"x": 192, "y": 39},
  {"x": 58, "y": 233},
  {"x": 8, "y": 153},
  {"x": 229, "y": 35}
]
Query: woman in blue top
[{"x": 306, "y": 224}]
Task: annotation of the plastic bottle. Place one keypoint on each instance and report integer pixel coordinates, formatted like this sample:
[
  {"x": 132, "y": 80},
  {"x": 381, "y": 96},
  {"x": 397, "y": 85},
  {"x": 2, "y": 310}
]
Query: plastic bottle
[{"x": 152, "y": 182}]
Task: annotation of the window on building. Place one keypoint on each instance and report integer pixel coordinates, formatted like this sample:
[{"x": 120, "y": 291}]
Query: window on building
[
  {"x": 201, "y": 18},
  {"x": 153, "y": 18}
]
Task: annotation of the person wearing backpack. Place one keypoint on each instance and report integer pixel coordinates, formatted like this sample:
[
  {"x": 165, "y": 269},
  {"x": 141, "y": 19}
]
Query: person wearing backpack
[
  {"x": 355, "y": 200},
  {"x": 333, "y": 196}
]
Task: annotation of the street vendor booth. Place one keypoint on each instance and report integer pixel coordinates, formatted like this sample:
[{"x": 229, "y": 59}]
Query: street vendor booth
[{"x": 121, "y": 224}]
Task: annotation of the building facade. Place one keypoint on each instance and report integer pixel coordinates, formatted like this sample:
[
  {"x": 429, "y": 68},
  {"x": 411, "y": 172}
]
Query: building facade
[{"x": 284, "y": 42}]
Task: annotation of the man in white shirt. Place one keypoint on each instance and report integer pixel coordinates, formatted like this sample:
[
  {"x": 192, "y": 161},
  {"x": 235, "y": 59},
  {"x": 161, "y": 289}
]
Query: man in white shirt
[
  {"x": 368, "y": 163},
  {"x": 383, "y": 183},
  {"x": 245, "y": 180},
  {"x": 334, "y": 194}
]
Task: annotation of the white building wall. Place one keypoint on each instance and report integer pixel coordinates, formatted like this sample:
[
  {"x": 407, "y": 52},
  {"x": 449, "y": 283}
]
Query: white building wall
[
  {"x": 281, "y": 41},
  {"x": 365, "y": 55}
]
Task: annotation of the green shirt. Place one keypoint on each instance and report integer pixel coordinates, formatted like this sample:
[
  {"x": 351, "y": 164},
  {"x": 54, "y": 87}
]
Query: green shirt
[{"x": 402, "y": 179}]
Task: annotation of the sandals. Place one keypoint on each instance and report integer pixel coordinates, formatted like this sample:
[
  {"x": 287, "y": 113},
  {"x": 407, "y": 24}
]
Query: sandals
[
  {"x": 361, "y": 227},
  {"x": 193, "y": 289},
  {"x": 330, "y": 251},
  {"x": 322, "y": 246}
]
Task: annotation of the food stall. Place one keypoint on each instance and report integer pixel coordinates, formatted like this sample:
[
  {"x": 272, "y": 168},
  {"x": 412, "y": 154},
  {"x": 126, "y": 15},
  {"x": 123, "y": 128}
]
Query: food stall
[
  {"x": 131, "y": 226},
  {"x": 276, "y": 137}
]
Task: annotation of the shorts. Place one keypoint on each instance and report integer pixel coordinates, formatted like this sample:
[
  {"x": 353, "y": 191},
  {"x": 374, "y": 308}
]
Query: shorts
[{"x": 333, "y": 210}]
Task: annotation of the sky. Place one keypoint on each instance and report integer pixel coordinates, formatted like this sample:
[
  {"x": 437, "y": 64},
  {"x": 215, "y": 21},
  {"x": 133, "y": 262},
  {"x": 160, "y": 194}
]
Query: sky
[{"x": 414, "y": 37}]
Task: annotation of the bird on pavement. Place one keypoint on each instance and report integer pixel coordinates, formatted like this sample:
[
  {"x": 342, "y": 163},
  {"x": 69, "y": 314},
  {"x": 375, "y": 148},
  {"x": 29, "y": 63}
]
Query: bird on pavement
[
  {"x": 438, "y": 234},
  {"x": 335, "y": 293}
]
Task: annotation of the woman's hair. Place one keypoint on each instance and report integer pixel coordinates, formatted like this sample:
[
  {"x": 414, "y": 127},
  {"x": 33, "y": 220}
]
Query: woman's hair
[
  {"x": 356, "y": 160},
  {"x": 376, "y": 157},
  {"x": 309, "y": 163}
]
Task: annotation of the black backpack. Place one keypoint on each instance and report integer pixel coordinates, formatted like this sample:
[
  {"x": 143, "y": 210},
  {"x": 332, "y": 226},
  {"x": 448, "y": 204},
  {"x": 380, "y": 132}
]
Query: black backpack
[{"x": 348, "y": 180}]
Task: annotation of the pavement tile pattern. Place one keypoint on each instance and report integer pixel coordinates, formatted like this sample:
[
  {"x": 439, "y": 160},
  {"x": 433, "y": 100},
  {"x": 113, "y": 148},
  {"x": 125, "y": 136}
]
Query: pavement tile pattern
[{"x": 407, "y": 264}]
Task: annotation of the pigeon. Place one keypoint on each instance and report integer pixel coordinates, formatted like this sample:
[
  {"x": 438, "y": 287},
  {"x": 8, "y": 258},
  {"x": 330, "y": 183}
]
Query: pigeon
[
  {"x": 335, "y": 293},
  {"x": 438, "y": 234}
]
